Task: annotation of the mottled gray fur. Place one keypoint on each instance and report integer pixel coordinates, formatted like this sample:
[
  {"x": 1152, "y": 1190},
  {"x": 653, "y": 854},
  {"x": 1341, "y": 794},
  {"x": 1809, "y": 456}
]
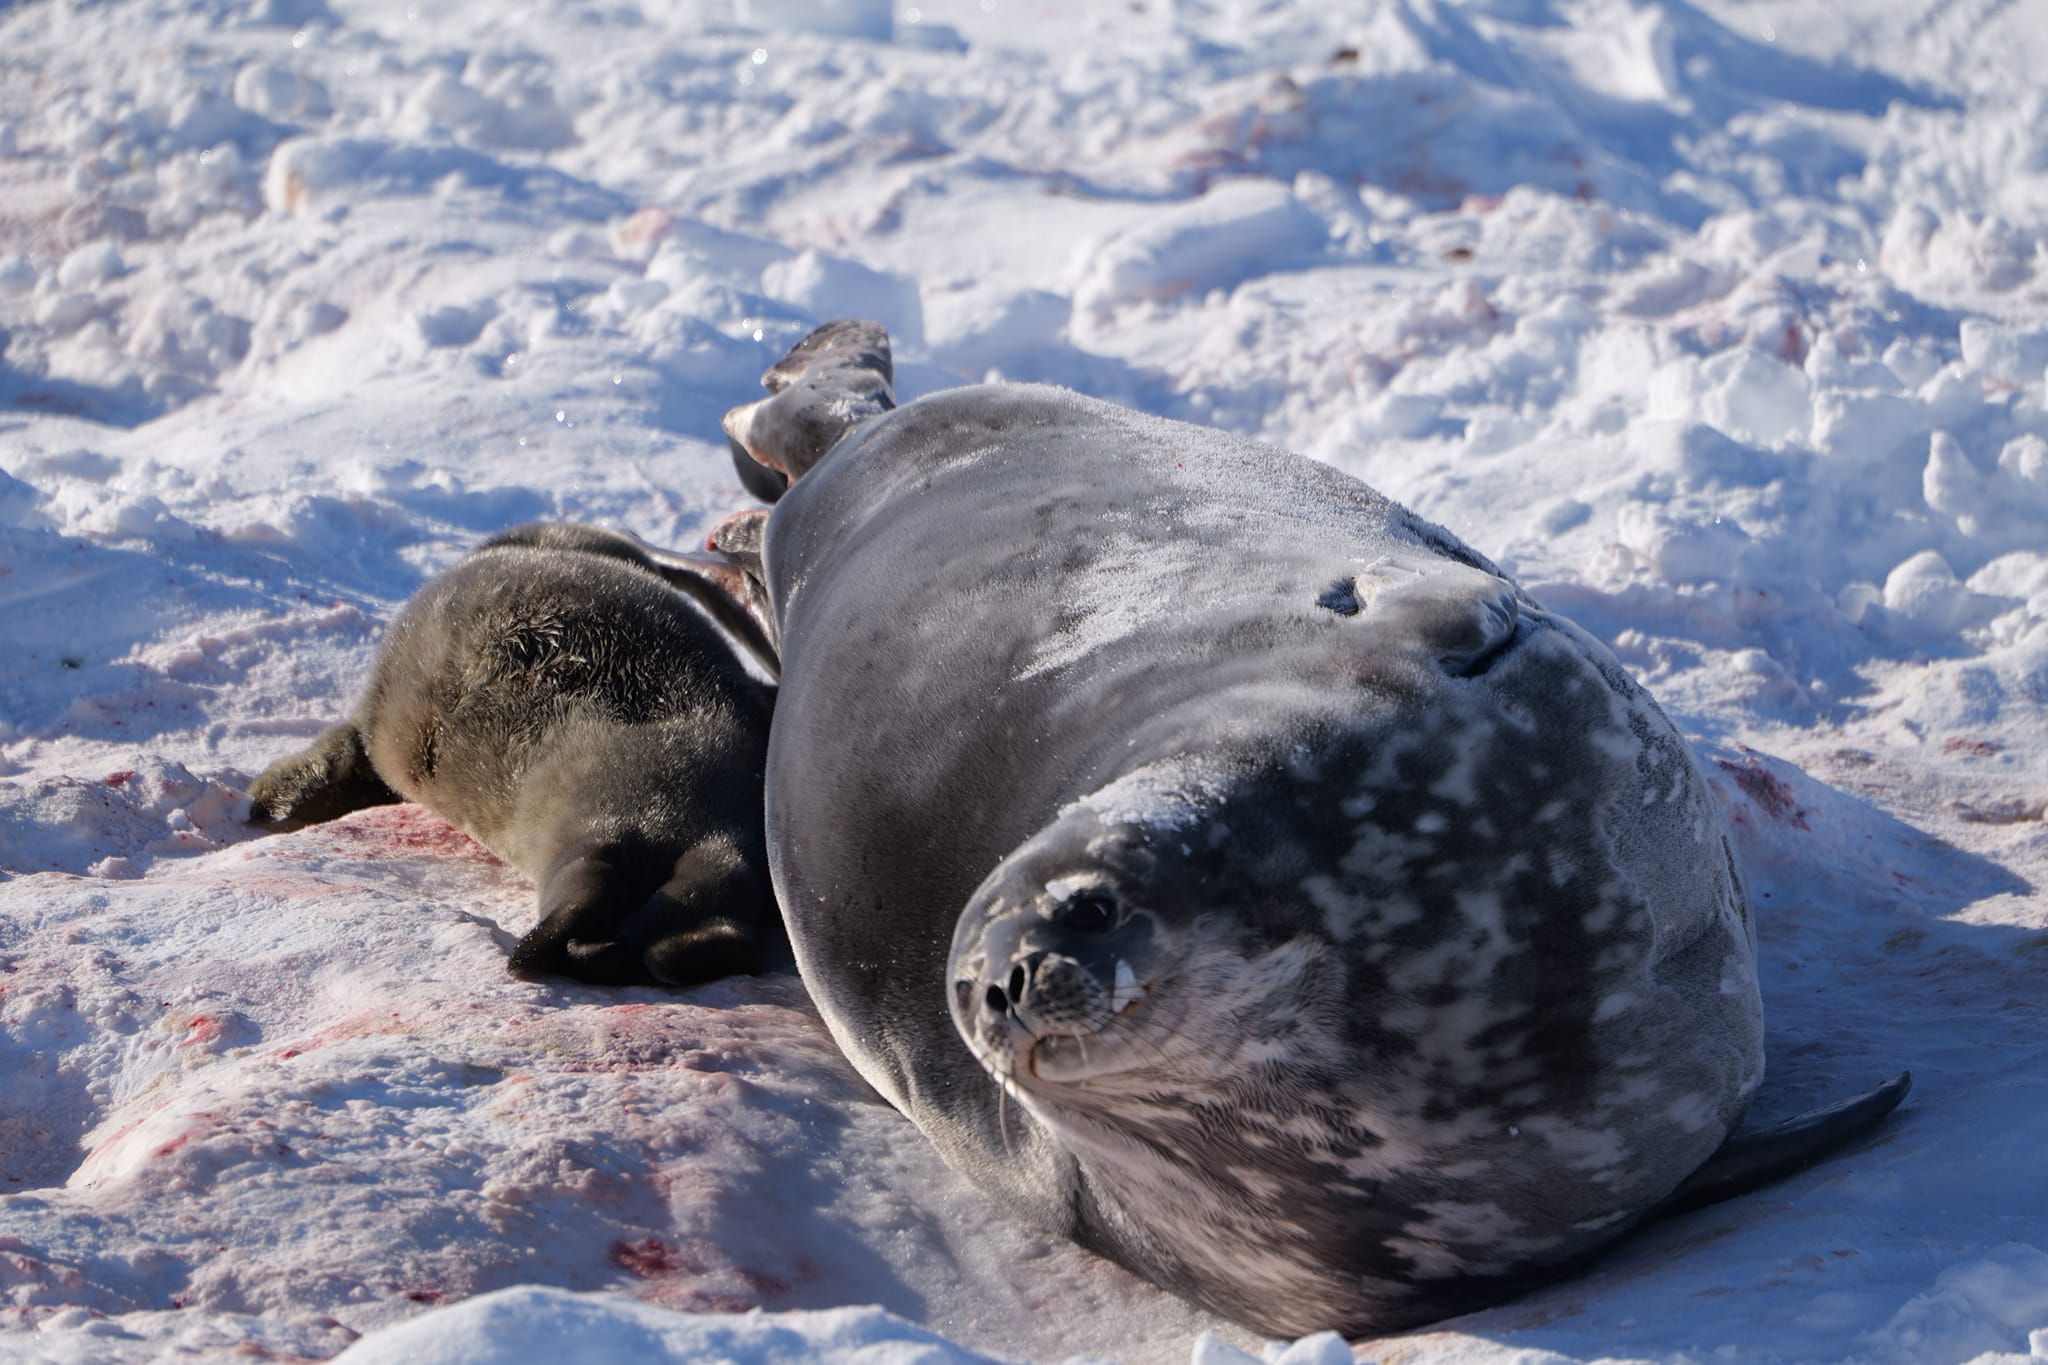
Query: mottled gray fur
[{"x": 1227, "y": 868}]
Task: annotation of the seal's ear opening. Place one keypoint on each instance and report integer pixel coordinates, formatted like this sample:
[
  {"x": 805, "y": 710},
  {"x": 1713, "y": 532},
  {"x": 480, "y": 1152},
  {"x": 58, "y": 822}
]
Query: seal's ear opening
[
  {"x": 834, "y": 379},
  {"x": 605, "y": 921}
]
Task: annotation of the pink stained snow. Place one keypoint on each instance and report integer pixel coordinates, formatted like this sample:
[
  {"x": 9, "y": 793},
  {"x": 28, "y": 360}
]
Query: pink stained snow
[{"x": 1724, "y": 328}]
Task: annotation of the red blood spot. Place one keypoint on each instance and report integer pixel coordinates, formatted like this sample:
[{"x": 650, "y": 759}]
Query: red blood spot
[
  {"x": 116, "y": 779},
  {"x": 425, "y": 1295},
  {"x": 1975, "y": 748},
  {"x": 174, "y": 1144},
  {"x": 650, "y": 1256},
  {"x": 1770, "y": 793},
  {"x": 204, "y": 1028}
]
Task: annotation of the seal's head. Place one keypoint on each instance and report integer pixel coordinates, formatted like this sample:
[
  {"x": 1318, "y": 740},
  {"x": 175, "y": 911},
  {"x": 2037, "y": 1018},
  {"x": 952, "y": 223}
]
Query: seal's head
[
  {"x": 1188, "y": 1055},
  {"x": 1093, "y": 974}
]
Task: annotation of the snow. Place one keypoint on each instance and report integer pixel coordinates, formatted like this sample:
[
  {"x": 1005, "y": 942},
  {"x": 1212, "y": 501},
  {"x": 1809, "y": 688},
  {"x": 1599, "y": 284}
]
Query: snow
[{"x": 1723, "y": 324}]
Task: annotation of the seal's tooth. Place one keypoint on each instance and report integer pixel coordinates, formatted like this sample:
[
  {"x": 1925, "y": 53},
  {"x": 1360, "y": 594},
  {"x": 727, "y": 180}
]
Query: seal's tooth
[{"x": 1128, "y": 991}]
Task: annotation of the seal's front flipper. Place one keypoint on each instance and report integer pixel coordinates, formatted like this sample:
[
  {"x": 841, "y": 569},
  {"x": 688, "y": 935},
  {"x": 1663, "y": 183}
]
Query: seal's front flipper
[
  {"x": 324, "y": 782},
  {"x": 1749, "y": 1161},
  {"x": 838, "y": 376},
  {"x": 605, "y": 921}
]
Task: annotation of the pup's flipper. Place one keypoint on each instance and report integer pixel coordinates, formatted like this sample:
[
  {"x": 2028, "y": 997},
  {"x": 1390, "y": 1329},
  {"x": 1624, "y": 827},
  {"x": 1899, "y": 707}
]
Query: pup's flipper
[{"x": 323, "y": 782}]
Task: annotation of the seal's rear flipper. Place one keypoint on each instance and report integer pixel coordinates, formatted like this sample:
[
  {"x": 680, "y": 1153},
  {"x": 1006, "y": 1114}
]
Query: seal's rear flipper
[
  {"x": 836, "y": 377},
  {"x": 1749, "y": 1161},
  {"x": 607, "y": 918},
  {"x": 323, "y": 782}
]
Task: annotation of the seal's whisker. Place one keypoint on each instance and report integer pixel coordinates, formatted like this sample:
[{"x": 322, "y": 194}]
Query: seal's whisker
[{"x": 1003, "y": 1115}]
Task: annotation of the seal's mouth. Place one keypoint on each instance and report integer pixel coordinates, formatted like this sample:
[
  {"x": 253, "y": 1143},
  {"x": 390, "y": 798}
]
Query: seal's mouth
[
  {"x": 1050, "y": 1018},
  {"x": 1071, "y": 1058}
]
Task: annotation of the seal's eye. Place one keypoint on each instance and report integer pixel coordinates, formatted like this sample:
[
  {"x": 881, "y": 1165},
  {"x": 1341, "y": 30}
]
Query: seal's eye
[{"x": 1091, "y": 912}]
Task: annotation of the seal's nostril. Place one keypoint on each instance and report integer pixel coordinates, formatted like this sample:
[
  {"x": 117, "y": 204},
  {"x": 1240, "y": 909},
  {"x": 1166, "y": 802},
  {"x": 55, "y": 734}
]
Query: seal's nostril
[
  {"x": 997, "y": 1002},
  {"x": 1017, "y": 980}
]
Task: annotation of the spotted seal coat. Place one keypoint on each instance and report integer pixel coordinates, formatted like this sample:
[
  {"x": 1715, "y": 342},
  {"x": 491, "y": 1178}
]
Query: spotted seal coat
[
  {"x": 1229, "y": 869},
  {"x": 556, "y": 696}
]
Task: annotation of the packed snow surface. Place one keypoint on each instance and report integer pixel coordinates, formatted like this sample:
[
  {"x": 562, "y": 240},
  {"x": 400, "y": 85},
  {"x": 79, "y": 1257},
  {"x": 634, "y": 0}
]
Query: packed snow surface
[{"x": 1721, "y": 323}]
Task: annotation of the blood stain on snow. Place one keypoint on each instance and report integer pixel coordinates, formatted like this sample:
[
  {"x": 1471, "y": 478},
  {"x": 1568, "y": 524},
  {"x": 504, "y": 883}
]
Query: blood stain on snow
[
  {"x": 404, "y": 828},
  {"x": 1970, "y": 748},
  {"x": 202, "y": 1028},
  {"x": 1770, "y": 793},
  {"x": 649, "y": 1257}
]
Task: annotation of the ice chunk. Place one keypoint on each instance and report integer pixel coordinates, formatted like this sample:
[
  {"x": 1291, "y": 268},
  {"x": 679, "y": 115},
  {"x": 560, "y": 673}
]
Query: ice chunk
[
  {"x": 18, "y": 504},
  {"x": 63, "y": 314},
  {"x": 1924, "y": 595},
  {"x": 827, "y": 287},
  {"x": 1955, "y": 487},
  {"x": 2007, "y": 356},
  {"x": 532, "y": 1323},
  {"x": 1238, "y": 228},
  {"x": 839, "y": 18},
  {"x": 974, "y": 330},
  {"x": 17, "y": 274},
  {"x": 1973, "y": 1308},
  {"x": 184, "y": 331},
  {"x": 452, "y": 324},
  {"x": 1755, "y": 398},
  {"x": 91, "y": 266},
  {"x": 279, "y": 92}
]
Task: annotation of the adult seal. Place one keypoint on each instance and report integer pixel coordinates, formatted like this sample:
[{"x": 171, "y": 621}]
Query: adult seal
[
  {"x": 1231, "y": 870},
  {"x": 575, "y": 700}
]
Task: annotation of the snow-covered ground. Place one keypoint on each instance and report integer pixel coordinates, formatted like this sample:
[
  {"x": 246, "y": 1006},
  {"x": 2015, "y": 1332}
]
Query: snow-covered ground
[{"x": 1722, "y": 323}]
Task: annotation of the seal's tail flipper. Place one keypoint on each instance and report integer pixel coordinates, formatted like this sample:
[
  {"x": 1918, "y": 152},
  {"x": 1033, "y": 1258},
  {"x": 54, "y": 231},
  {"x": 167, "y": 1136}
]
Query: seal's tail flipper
[
  {"x": 836, "y": 377},
  {"x": 324, "y": 782},
  {"x": 1749, "y": 1161}
]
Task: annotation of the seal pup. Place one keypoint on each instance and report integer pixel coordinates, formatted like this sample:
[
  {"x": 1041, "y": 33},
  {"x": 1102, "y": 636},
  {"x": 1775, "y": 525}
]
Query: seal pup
[
  {"x": 555, "y": 696},
  {"x": 1227, "y": 868}
]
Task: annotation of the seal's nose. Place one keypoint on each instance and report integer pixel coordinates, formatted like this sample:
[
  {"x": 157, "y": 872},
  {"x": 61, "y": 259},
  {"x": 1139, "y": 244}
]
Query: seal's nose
[
  {"x": 1046, "y": 992},
  {"x": 1016, "y": 988}
]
